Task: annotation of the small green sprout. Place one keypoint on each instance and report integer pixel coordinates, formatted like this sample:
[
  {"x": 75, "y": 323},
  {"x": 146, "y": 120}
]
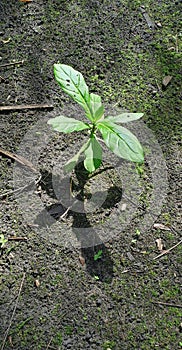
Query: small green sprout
[
  {"x": 3, "y": 240},
  {"x": 96, "y": 278},
  {"x": 137, "y": 232},
  {"x": 98, "y": 255},
  {"x": 116, "y": 137}
]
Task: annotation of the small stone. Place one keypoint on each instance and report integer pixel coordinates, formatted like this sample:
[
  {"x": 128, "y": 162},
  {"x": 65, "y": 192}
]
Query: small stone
[
  {"x": 159, "y": 25},
  {"x": 98, "y": 302}
]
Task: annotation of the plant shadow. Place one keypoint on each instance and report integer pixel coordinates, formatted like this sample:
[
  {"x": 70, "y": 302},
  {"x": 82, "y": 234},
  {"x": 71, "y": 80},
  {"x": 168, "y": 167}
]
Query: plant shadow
[{"x": 72, "y": 207}]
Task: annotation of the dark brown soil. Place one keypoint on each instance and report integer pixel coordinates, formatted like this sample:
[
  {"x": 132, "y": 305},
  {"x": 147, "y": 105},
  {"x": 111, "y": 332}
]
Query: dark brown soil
[{"x": 55, "y": 294}]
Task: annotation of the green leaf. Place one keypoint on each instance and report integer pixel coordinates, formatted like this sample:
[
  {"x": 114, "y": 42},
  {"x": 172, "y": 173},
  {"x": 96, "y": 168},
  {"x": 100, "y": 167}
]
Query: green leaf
[
  {"x": 124, "y": 117},
  {"x": 73, "y": 83},
  {"x": 98, "y": 255},
  {"x": 97, "y": 107},
  {"x": 93, "y": 155},
  {"x": 121, "y": 141},
  {"x": 66, "y": 125},
  {"x": 70, "y": 165}
]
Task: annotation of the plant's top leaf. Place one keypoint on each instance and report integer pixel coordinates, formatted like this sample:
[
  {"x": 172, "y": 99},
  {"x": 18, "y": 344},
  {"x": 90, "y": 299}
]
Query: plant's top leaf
[
  {"x": 73, "y": 83},
  {"x": 124, "y": 117},
  {"x": 97, "y": 107},
  {"x": 93, "y": 155},
  {"x": 121, "y": 141},
  {"x": 67, "y": 125}
]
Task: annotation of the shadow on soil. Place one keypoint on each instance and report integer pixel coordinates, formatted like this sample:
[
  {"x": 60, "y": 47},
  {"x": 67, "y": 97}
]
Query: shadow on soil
[{"x": 90, "y": 241}]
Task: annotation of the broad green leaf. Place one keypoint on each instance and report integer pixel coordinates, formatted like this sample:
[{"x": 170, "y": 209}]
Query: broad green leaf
[
  {"x": 97, "y": 107},
  {"x": 93, "y": 155},
  {"x": 73, "y": 83},
  {"x": 66, "y": 125},
  {"x": 124, "y": 117},
  {"x": 70, "y": 165},
  {"x": 121, "y": 141}
]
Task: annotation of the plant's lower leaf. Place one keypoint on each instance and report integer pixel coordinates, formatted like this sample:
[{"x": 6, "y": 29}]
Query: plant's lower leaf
[
  {"x": 67, "y": 125},
  {"x": 121, "y": 141},
  {"x": 70, "y": 165},
  {"x": 124, "y": 117},
  {"x": 93, "y": 155}
]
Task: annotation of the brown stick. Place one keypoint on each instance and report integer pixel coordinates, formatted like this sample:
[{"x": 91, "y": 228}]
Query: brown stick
[
  {"x": 48, "y": 345},
  {"x": 20, "y": 189},
  {"x": 20, "y": 107},
  {"x": 14, "y": 310},
  {"x": 12, "y": 63},
  {"x": 168, "y": 250},
  {"x": 18, "y": 159},
  {"x": 14, "y": 238},
  {"x": 167, "y": 304},
  {"x": 2, "y": 79}
]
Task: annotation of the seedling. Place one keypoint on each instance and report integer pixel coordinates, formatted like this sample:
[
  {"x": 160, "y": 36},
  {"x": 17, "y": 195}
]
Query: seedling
[
  {"x": 3, "y": 241},
  {"x": 96, "y": 277},
  {"x": 98, "y": 255},
  {"x": 116, "y": 137}
]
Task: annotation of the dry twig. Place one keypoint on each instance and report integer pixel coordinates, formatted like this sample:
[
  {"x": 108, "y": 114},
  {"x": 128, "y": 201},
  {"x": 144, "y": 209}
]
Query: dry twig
[
  {"x": 14, "y": 238},
  {"x": 20, "y": 107},
  {"x": 19, "y": 159},
  {"x": 167, "y": 304},
  {"x": 11, "y": 64},
  {"x": 20, "y": 189},
  {"x": 14, "y": 310},
  {"x": 168, "y": 250},
  {"x": 48, "y": 345}
]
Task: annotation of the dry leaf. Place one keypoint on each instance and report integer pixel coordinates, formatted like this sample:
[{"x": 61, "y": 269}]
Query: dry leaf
[
  {"x": 37, "y": 283},
  {"x": 6, "y": 41},
  {"x": 162, "y": 227},
  {"x": 81, "y": 260},
  {"x": 159, "y": 244},
  {"x": 166, "y": 80}
]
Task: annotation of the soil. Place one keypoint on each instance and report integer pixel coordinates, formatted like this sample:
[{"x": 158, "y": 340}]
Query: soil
[{"x": 56, "y": 292}]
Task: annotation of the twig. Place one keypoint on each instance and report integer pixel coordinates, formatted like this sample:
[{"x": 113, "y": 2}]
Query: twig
[
  {"x": 14, "y": 310},
  {"x": 48, "y": 345},
  {"x": 20, "y": 107},
  {"x": 11, "y": 64},
  {"x": 20, "y": 189},
  {"x": 168, "y": 250},
  {"x": 2, "y": 79},
  {"x": 158, "y": 86},
  {"x": 167, "y": 304},
  {"x": 64, "y": 214},
  {"x": 14, "y": 238},
  {"x": 19, "y": 159}
]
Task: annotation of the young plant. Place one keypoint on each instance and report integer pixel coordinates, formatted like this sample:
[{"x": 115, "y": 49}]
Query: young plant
[
  {"x": 116, "y": 137},
  {"x": 98, "y": 255},
  {"x": 3, "y": 241}
]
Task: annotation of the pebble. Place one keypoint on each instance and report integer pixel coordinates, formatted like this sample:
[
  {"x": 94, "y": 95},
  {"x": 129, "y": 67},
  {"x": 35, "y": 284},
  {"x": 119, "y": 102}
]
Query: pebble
[{"x": 98, "y": 302}]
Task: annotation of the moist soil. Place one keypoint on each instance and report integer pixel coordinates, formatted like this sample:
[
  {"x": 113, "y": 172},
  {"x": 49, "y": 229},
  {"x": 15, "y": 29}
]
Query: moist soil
[{"x": 56, "y": 291}]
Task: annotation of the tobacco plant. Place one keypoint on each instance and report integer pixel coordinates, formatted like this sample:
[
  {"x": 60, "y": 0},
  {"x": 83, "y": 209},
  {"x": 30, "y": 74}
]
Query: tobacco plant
[{"x": 116, "y": 137}]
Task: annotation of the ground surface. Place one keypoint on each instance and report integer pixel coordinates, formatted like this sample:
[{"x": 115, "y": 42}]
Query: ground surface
[{"x": 49, "y": 299}]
